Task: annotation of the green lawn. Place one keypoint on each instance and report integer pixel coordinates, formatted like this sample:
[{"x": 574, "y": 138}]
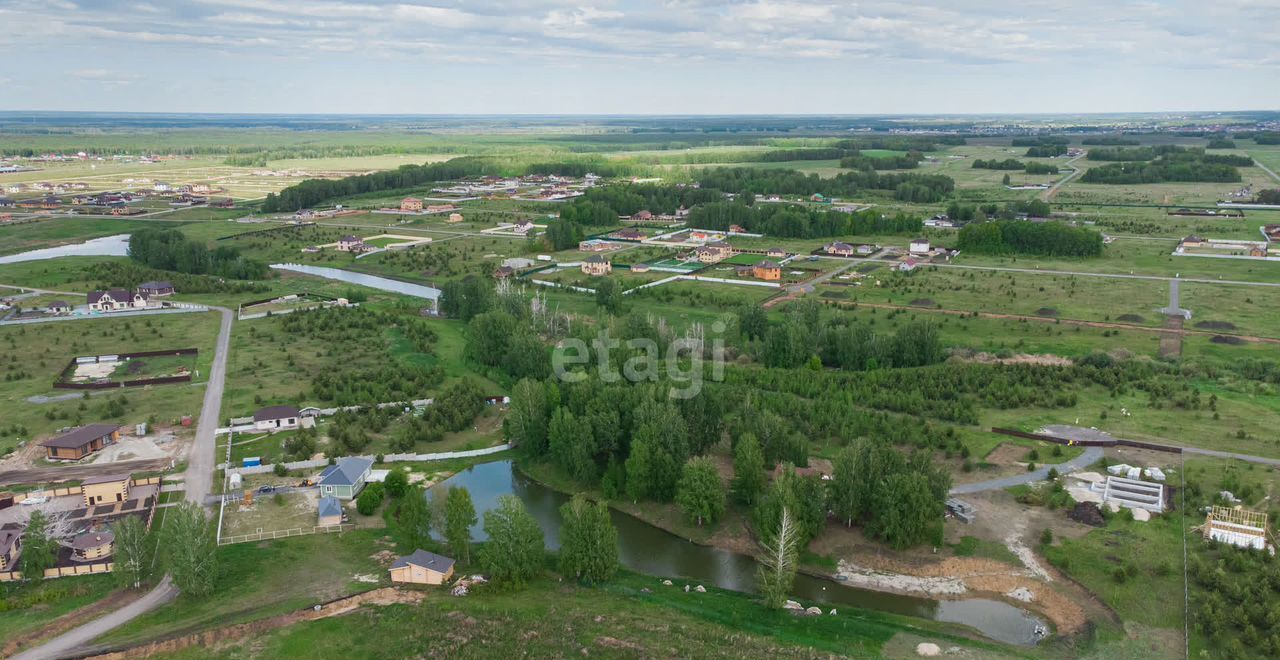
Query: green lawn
[{"x": 33, "y": 356}]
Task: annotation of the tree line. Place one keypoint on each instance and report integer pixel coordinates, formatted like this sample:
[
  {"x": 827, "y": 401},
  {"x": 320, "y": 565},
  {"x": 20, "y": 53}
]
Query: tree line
[
  {"x": 1054, "y": 239},
  {"x": 910, "y": 187},
  {"x": 908, "y": 161},
  {"x": 1166, "y": 169},
  {"x": 793, "y": 221},
  {"x": 171, "y": 250}
]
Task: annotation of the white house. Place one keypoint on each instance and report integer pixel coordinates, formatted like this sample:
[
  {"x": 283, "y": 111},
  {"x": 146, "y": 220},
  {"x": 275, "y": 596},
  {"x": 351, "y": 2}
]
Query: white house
[
  {"x": 919, "y": 246},
  {"x": 276, "y": 418}
]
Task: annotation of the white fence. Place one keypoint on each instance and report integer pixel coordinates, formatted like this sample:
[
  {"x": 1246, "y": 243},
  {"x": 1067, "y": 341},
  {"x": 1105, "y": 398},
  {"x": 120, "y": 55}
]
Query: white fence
[
  {"x": 388, "y": 458},
  {"x": 282, "y": 533}
]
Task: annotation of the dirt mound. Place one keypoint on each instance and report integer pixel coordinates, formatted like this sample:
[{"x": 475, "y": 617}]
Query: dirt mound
[
  {"x": 1087, "y": 513},
  {"x": 1130, "y": 318},
  {"x": 923, "y": 302},
  {"x": 1216, "y": 325},
  {"x": 1046, "y": 311},
  {"x": 1224, "y": 339}
]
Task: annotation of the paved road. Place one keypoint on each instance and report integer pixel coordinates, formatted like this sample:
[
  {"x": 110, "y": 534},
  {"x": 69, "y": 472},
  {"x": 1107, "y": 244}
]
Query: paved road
[
  {"x": 1090, "y": 456},
  {"x": 200, "y": 463},
  {"x": 1226, "y": 454},
  {"x": 198, "y": 479},
  {"x": 1053, "y": 189},
  {"x": 68, "y": 642}
]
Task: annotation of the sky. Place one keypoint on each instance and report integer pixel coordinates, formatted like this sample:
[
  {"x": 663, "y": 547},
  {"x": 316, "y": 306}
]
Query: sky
[{"x": 639, "y": 57}]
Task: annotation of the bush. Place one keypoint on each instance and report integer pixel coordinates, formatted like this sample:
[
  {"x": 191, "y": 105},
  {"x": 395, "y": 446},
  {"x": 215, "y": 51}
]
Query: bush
[
  {"x": 1031, "y": 467},
  {"x": 1046, "y": 537},
  {"x": 370, "y": 499},
  {"x": 1119, "y": 575},
  {"x": 280, "y": 470}
]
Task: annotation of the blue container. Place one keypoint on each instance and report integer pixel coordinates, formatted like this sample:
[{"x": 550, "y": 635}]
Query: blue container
[{"x": 253, "y": 461}]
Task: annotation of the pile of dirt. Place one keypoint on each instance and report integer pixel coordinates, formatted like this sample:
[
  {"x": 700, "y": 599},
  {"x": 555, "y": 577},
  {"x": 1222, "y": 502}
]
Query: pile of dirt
[
  {"x": 1216, "y": 325},
  {"x": 1224, "y": 339},
  {"x": 1130, "y": 318},
  {"x": 923, "y": 302},
  {"x": 1046, "y": 311},
  {"x": 1087, "y": 513}
]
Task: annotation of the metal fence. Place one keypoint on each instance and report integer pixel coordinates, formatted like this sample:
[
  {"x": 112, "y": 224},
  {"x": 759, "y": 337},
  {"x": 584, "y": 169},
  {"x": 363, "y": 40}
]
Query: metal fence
[{"x": 283, "y": 533}]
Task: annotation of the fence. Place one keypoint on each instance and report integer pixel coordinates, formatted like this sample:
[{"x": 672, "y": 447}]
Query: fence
[
  {"x": 75, "y": 490},
  {"x": 139, "y": 382},
  {"x": 388, "y": 458},
  {"x": 1113, "y": 442},
  {"x": 283, "y": 533}
]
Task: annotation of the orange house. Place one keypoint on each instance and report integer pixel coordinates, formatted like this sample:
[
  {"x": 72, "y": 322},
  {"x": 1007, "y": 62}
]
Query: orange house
[
  {"x": 410, "y": 204},
  {"x": 81, "y": 442},
  {"x": 767, "y": 270}
]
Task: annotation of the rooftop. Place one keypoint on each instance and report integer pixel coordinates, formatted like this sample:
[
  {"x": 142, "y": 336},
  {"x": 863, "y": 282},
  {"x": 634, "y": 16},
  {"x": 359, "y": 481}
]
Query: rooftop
[
  {"x": 424, "y": 559},
  {"x": 81, "y": 436}
]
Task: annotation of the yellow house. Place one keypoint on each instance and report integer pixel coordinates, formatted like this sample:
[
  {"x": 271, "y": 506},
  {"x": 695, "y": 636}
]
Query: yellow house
[
  {"x": 93, "y": 544},
  {"x": 101, "y": 490},
  {"x": 422, "y": 567}
]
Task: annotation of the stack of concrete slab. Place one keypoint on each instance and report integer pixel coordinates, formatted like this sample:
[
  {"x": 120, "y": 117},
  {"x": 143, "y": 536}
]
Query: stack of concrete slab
[{"x": 1131, "y": 493}]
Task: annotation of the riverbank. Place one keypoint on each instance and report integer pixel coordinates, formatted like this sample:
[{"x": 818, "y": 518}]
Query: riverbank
[{"x": 733, "y": 535}]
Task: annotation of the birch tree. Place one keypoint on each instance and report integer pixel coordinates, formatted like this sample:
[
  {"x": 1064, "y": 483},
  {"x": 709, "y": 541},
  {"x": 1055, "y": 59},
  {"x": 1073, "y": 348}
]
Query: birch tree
[
  {"x": 778, "y": 562},
  {"x": 190, "y": 549},
  {"x": 133, "y": 551}
]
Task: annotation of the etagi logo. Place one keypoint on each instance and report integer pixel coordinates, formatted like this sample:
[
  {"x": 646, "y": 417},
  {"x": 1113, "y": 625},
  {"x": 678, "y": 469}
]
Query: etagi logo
[{"x": 682, "y": 363}]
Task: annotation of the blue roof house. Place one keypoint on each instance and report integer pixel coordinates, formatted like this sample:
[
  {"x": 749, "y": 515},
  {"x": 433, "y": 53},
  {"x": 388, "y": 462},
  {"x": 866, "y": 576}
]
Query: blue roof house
[{"x": 345, "y": 478}]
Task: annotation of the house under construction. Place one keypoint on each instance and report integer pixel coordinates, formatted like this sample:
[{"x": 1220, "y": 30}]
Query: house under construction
[{"x": 1239, "y": 527}]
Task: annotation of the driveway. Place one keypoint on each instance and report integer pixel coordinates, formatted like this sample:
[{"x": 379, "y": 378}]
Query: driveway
[
  {"x": 200, "y": 464},
  {"x": 1090, "y": 456}
]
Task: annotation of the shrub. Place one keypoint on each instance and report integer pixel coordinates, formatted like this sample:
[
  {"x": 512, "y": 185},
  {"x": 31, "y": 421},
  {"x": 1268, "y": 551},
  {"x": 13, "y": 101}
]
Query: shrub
[
  {"x": 280, "y": 470},
  {"x": 1046, "y": 537},
  {"x": 370, "y": 499}
]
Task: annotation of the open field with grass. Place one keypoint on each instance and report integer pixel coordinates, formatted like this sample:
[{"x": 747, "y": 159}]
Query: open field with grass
[
  {"x": 1138, "y": 257},
  {"x": 33, "y": 356}
]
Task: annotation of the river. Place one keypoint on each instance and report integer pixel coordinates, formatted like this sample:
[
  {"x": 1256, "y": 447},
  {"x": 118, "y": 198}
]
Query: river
[
  {"x": 362, "y": 279},
  {"x": 107, "y": 246},
  {"x": 647, "y": 549}
]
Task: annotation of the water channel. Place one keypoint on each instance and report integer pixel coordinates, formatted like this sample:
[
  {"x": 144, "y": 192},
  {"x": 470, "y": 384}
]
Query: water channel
[
  {"x": 107, "y": 246},
  {"x": 362, "y": 279},
  {"x": 647, "y": 549}
]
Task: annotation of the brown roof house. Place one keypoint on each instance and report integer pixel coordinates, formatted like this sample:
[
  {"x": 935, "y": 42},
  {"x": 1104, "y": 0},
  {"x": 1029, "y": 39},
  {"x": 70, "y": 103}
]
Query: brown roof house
[
  {"x": 276, "y": 418},
  {"x": 410, "y": 204},
  {"x": 107, "y": 488},
  {"x": 76, "y": 444},
  {"x": 158, "y": 288},
  {"x": 767, "y": 270},
  {"x": 92, "y": 545},
  {"x": 839, "y": 249},
  {"x": 503, "y": 272},
  {"x": 422, "y": 567},
  {"x": 116, "y": 299},
  {"x": 713, "y": 252}
]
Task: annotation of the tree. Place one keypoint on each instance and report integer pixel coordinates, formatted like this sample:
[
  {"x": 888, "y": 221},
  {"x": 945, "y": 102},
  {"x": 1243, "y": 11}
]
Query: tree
[
  {"x": 526, "y": 423},
  {"x": 907, "y": 511},
  {"x": 413, "y": 516},
  {"x": 700, "y": 495},
  {"x": 609, "y": 295},
  {"x": 459, "y": 517},
  {"x": 778, "y": 561},
  {"x": 190, "y": 549},
  {"x": 588, "y": 541},
  {"x": 515, "y": 550},
  {"x": 572, "y": 445},
  {"x": 844, "y": 486},
  {"x": 396, "y": 483},
  {"x": 39, "y": 548},
  {"x": 133, "y": 550},
  {"x": 370, "y": 499},
  {"x": 749, "y": 478}
]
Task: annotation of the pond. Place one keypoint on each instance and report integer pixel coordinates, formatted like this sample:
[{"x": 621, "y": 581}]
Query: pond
[
  {"x": 647, "y": 549},
  {"x": 107, "y": 246},
  {"x": 362, "y": 279}
]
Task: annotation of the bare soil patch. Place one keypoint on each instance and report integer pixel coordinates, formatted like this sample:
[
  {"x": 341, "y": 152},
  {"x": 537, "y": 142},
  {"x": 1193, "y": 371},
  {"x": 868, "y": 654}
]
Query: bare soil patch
[
  {"x": 1046, "y": 311},
  {"x": 1215, "y": 325},
  {"x": 923, "y": 302},
  {"x": 1130, "y": 318}
]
